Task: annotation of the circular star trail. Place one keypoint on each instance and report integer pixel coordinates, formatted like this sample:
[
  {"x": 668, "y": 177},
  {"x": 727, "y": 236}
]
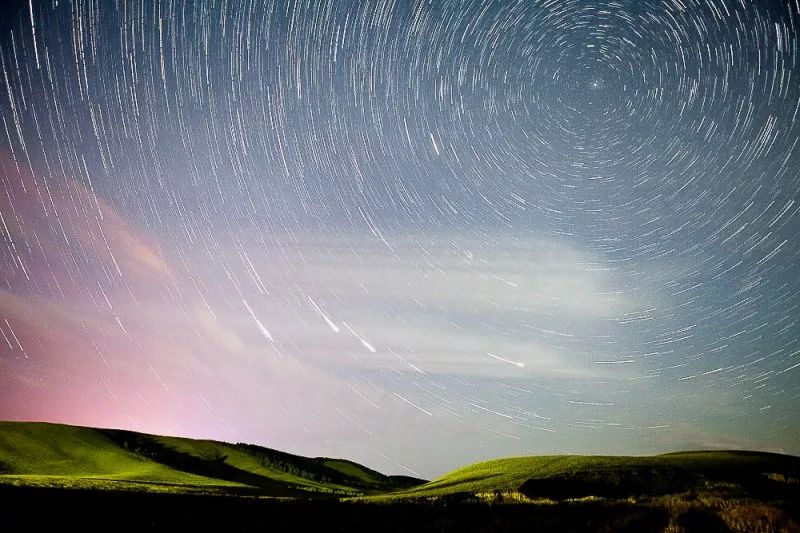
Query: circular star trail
[{"x": 372, "y": 229}]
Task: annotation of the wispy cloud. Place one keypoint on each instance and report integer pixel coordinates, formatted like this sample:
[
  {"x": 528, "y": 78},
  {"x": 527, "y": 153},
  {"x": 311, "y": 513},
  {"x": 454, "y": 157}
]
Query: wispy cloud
[{"x": 441, "y": 310}]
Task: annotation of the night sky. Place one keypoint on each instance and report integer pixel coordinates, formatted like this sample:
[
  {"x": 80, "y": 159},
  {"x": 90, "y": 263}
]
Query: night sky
[{"x": 415, "y": 234}]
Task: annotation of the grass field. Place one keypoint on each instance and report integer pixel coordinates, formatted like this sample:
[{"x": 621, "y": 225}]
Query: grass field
[
  {"x": 178, "y": 483},
  {"x": 588, "y": 475},
  {"x": 41, "y": 454}
]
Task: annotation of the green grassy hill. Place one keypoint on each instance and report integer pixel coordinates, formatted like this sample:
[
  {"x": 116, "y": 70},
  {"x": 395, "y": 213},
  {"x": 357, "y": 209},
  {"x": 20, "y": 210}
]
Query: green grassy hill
[
  {"x": 174, "y": 481},
  {"x": 54, "y": 455},
  {"x": 565, "y": 476},
  {"x": 70, "y": 456}
]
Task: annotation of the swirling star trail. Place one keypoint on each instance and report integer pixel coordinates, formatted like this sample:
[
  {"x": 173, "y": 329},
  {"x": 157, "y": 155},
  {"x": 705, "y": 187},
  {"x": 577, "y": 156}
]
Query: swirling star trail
[{"x": 415, "y": 234}]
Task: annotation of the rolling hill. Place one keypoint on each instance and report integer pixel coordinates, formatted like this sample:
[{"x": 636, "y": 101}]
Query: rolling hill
[
  {"x": 176, "y": 482},
  {"x": 44, "y": 454},
  {"x": 566, "y": 476}
]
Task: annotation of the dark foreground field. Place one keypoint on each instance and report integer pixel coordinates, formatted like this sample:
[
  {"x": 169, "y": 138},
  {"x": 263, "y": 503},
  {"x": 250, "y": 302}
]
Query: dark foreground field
[
  {"x": 43, "y": 509},
  {"x": 49, "y": 509}
]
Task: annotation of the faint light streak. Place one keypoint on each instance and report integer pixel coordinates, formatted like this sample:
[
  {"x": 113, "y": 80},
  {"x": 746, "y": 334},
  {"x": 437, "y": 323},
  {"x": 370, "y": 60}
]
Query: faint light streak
[
  {"x": 264, "y": 331},
  {"x": 509, "y": 361}
]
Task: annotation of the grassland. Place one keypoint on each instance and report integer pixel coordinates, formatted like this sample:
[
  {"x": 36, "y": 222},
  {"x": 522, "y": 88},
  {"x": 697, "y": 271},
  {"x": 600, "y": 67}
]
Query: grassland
[
  {"x": 41, "y": 454},
  {"x": 688, "y": 491},
  {"x": 176, "y": 483},
  {"x": 566, "y": 476}
]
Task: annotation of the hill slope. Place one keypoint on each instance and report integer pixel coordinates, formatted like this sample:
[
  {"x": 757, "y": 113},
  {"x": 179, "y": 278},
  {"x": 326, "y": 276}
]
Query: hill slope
[
  {"x": 565, "y": 476},
  {"x": 55, "y": 455},
  {"x": 71, "y": 456},
  {"x": 172, "y": 483}
]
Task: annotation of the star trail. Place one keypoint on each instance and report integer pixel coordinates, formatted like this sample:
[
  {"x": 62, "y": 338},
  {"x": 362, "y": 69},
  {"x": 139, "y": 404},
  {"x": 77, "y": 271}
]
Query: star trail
[{"x": 415, "y": 234}]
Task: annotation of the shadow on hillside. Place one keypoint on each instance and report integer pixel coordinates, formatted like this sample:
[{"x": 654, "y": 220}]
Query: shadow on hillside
[
  {"x": 303, "y": 467},
  {"x": 658, "y": 481},
  {"x": 612, "y": 483},
  {"x": 215, "y": 468}
]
